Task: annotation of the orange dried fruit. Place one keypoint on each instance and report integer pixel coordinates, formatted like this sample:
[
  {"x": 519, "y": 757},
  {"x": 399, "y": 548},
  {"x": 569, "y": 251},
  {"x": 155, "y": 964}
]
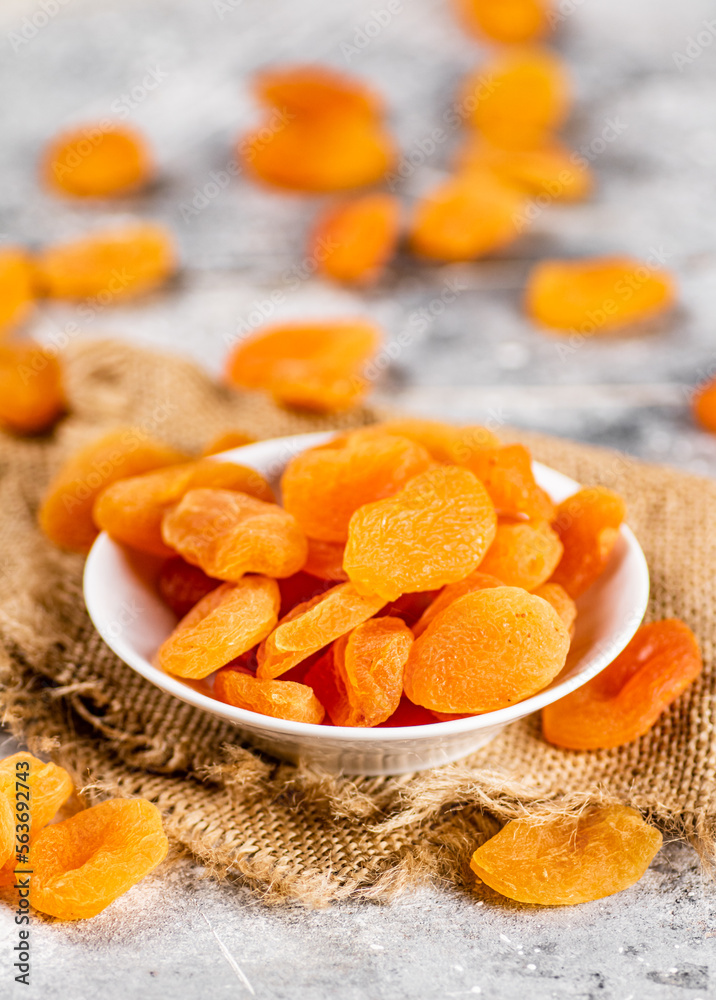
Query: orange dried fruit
[
  {"x": 467, "y": 216},
  {"x": 560, "y": 600},
  {"x": 7, "y": 833},
  {"x": 313, "y": 625},
  {"x": 109, "y": 265},
  {"x": 31, "y": 393},
  {"x": 229, "y": 534},
  {"x": 588, "y": 525},
  {"x": 486, "y": 651},
  {"x": 325, "y": 560},
  {"x": 66, "y": 512},
  {"x": 597, "y": 295},
  {"x": 182, "y": 585},
  {"x": 506, "y": 473},
  {"x": 704, "y": 405},
  {"x": 446, "y": 443},
  {"x": 315, "y": 366},
  {"x": 97, "y": 161},
  {"x": 408, "y": 714},
  {"x": 409, "y": 607},
  {"x": 547, "y": 169},
  {"x": 563, "y": 861},
  {"x": 369, "y": 663},
  {"x": 17, "y": 291},
  {"x": 477, "y": 580},
  {"x": 511, "y": 22},
  {"x": 131, "y": 510},
  {"x": 523, "y": 554},
  {"x": 353, "y": 241},
  {"x": 519, "y": 97},
  {"x": 84, "y": 863},
  {"x": 626, "y": 699},
  {"x": 279, "y": 699},
  {"x": 224, "y": 624},
  {"x": 299, "y": 588},
  {"x": 324, "y": 487},
  {"x": 227, "y": 442},
  {"x": 316, "y": 90},
  {"x": 434, "y": 531}
]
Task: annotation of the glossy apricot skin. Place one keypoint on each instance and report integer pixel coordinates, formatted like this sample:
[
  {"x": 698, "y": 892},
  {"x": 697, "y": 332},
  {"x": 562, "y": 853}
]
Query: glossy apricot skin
[
  {"x": 588, "y": 524},
  {"x": 278, "y": 699},
  {"x": 84, "y": 863},
  {"x": 510, "y": 22},
  {"x": 564, "y": 861},
  {"x": 704, "y": 406},
  {"x": 109, "y": 265},
  {"x": 96, "y": 162},
  {"x": 487, "y": 650},
  {"x": 17, "y": 288},
  {"x": 66, "y": 512},
  {"x": 131, "y": 510},
  {"x": 32, "y": 396},
  {"x": 626, "y": 699},
  {"x": 477, "y": 580},
  {"x": 523, "y": 554},
  {"x": 596, "y": 295},
  {"x": 547, "y": 168},
  {"x": 354, "y": 240}
]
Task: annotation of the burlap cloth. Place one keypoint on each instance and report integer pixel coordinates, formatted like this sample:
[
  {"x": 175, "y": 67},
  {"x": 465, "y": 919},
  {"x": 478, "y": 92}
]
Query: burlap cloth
[{"x": 288, "y": 831}]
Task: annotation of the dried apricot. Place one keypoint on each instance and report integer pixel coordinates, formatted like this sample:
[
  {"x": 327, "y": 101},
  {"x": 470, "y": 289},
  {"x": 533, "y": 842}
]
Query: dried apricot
[
  {"x": 560, "y": 600},
  {"x": 353, "y": 241},
  {"x": 523, "y": 554},
  {"x": 486, "y": 651},
  {"x": 325, "y": 560},
  {"x": 410, "y": 607},
  {"x": 446, "y": 443},
  {"x": 131, "y": 510},
  {"x": 323, "y": 487},
  {"x": 597, "y": 295},
  {"x": 224, "y": 624},
  {"x": 229, "y": 534},
  {"x": 434, "y": 531},
  {"x": 109, "y": 265},
  {"x": 519, "y": 97},
  {"x": 369, "y": 664},
  {"x": 508, "y": 21},
  {"x": 316, "y": 90},
  {"x": 477, "y": 580},
  {"x": 408, "y": 714},
  {"x": 588, "y": 525},
  {"x": 96, "y": 161},
  {"x": 84, "y": 863},
  {"x": 704, "y": 405},
  {"x": 227, "y": 442},
  {"x": 468, "y": 216},
  {"x": 279, "y": 699},
  {"x": 66, "y": 512},
  {"x": 548, "y": 168},
  {"x": 506, "y": 473},
  {"x": 316, "y": 366},
  {"x": 17, "y": 291},
  {"x": 31, "y": 393},
  {"x": 182, "y": 585},
  {"x": 7, "y": 832},
  {"x": 313, "y": 625},
  {"x": 625, "y": 700},
  {"x": 564, "y": 861},
  {"x": 299, "y": 588}
]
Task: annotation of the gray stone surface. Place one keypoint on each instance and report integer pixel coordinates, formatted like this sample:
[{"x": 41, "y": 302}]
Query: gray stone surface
[{"x": 474, "y": 357}]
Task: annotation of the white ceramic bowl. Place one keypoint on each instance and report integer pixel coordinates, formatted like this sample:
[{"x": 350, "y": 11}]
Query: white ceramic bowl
[{"x": 134, "y": 622}]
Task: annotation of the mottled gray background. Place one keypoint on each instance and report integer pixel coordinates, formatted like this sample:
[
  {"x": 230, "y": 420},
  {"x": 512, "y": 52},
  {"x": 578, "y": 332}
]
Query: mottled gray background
[{"x": 646, "y": 66}]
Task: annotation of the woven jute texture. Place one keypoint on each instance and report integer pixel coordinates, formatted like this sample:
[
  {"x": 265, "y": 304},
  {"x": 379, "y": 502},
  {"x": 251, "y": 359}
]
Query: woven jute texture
[{"x": 287, "y": 830}]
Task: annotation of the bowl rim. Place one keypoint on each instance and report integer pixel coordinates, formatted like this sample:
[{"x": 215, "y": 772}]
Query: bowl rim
[{"x": 103, "y": 545}]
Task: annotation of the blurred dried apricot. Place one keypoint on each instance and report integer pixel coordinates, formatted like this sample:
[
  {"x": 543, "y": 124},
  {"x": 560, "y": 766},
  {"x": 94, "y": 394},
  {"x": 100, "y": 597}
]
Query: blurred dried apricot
[
  {"x": 506, "y": 473},
  {"x": 323, "y": 487},
  {"x": 227, "y": 442},
  {"x": 182, "y": 585},
  {"x": 229, "y": 534},
  {"x": 66, "y": 512},
  {"x": 31, "y": 393},
  {"x": 625, "y": 700},
  {"x": 563, "y": 861},
  {"x": 109, "y": 265},
  {"x": 434, "y": 531},
  {"x": 704, "y": 405},
  {"x": 508, "y": 21},
  {"x": 588, "y": 525},
  {"x": 560, "y": 600},
  {"x": 84, "y": 863},
  {"x": 548, "y": 168},
  {"x": 486, "y": 651},
  {"x": 524, "y": 554},
  {"x": 131, "y": 510},
  {"x": 316, "y": 90},
  {"x": 17, "y": 291},
  {"x": 227, "y": 622},
  {"x": 446, "y": 443},
  {"x": 477, "y": 580},
  {"x": 316, "y": 366},
  {"x": 596, "y": 295},
  {"x": 279, "y": 699},
  {"x": 353, "y": 241},
  {"x": 96, "y": 161},
  {"x": 325, "y": 560}
]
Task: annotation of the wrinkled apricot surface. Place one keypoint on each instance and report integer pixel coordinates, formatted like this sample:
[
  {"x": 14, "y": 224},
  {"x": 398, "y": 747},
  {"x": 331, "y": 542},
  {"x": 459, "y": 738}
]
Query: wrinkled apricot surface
[
  {"x": 84, "y": 863},
  {"x": 506, "y": 473},
  {"x": 560, "y": 600},
  {"x": 316, "y": 366},
  {"x": 625, "y": 700},
  {"x": 224, "y": 624},
  {"x": 279, "y": 699},
  {"x": 353, "y": 241},
  {"x": 66, "y": 512},
  {"x": 486, "y": 651},
  {"x": 31, "y": 393},
  {"x": 446, "y": 443},
  {"x": 561, "y": 862},
  {"x": 597, "y": 295},
  {"x": 96, "y": 162},
  {"x": 508, "y": 21},
  {"x": 110, "y": 265},
  {"x": 588, "y": 525},
  {"x": 182, "y": 585},
  {"x": 523, "y": 554},
  {"x": 131, "y": 510},
  {"x": 477, "y": 580},
  {"x": 548, "y": 169},
  {"x": 17, "y": 291}
]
